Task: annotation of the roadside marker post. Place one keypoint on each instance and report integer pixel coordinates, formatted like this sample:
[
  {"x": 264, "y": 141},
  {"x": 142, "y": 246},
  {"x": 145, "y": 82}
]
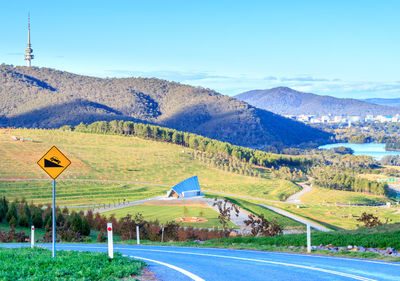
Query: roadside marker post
[
  {"x": 54, "y": 162},
  {"x": 137, "y": 235},
  {"x": 110, "y": 240},
  {"x": 308, "y": 238},
  {"x": 162, "y": 233},
  {"x": 32, "y": 236}
]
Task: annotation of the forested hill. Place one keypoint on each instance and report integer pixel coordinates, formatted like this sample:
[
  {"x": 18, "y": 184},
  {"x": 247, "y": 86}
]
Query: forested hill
[
  {"x": 286, "y": 101},
  {"x": 48, "y": 98}
]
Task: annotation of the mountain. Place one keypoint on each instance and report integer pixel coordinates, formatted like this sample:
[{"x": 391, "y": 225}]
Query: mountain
[
  {"x": 47, "y": 98},
  {"x": 286, "y": 101},
  {"x": 387, "y": 102}
]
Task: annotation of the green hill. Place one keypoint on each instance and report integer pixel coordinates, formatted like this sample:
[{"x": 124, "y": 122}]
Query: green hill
[
  {"x": 120, "y": 158},
  {"x": 47, "y": 98}
]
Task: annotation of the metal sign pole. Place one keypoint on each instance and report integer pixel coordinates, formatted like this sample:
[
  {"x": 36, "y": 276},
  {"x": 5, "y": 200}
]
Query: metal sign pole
[{"x": 54, "y": 218}]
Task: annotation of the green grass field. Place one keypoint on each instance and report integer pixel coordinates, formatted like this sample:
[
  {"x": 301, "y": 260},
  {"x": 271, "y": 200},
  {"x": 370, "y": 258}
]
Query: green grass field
[
  {"x": 114, "y": 158},
  {"x": 329, "y": 196},
  {"x": 169, "y": 213},
  {"x": 340, "y": 217}
]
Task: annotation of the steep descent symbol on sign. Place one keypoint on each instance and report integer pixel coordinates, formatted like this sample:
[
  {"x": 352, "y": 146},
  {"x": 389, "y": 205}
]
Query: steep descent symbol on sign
[{"x": 52, "y": 163}]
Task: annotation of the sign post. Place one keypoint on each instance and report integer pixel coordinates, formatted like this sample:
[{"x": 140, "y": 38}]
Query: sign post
[
  {"x": 308, "y": 239},
  {"x": 54, "y": 162},
  {"x": 137, "y": 235},
  {"x": 32, "y": 236},
  {"x": 110, "y": 240}
]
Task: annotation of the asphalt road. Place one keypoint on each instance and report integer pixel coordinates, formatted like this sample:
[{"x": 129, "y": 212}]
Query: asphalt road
[{"x": 182, "y": 263}]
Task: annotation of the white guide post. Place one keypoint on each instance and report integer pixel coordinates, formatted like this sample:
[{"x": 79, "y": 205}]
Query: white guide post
[
  {"x": 32, "y": 236},
  {"x": 308, "y": 238},
  {"x": 137, "y": 235},
  {"x": 110, "y": 240},
  {"x": 162, "y": 233}
]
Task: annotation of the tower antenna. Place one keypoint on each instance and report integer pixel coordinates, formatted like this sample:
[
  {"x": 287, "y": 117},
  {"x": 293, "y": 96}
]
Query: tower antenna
[{"x": 28, "y": 50}]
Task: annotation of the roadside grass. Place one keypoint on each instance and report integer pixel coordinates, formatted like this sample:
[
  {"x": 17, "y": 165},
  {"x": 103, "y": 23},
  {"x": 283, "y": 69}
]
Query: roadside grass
[
  {"x": 37, "y": 264},
  {"x": 111, "y": 157},
  {"x": 329, "y": 196},
  {"x": 285, "y": 222},
  {"x": 169, "y": 213},
  {"x": 339, "y": 217}
]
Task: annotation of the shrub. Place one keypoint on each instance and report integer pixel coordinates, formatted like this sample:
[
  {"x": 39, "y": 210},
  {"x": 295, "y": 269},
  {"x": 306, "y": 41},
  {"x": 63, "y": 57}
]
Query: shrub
[
  {"x": 85, "y": 227},
  {"x": 101, "y": 237},
  {"x": 13, "y": 221},
  {"x": 37, "y": 220},
  {"x": 76, "y": 222},
  {"x": 23, "y": 220}
]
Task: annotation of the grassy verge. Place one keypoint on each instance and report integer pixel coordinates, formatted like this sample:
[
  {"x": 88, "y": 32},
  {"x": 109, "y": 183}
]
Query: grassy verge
[{"x": 37, "y": 264}]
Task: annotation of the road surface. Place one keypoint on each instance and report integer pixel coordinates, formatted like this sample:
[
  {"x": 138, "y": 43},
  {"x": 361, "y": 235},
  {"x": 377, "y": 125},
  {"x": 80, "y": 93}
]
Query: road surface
[
  {"x": 295, "y": 198},
  {"x": 184, "y": 263}
]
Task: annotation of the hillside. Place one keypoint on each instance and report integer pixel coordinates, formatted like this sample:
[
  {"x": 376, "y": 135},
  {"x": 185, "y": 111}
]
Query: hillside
[
  {"x": 381, "y": 101},
  {"x": 46, "y": 98},
  {"x": 286, "y": 101},
  {"x": 132, "y": 169}
]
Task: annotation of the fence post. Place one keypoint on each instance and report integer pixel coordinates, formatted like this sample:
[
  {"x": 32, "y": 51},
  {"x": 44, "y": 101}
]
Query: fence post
[
  {"x": 110, "y": 240},
  {"x": 308, "y": 238},
  {"x": 137, "y": 235},
  {"x": 32, "y": 236}
]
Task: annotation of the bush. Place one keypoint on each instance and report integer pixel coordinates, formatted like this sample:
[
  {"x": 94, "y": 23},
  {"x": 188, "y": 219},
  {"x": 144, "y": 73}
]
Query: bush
[
  {"x": 37, "y": 220},
  {"x": 85, "y": 227},
  {"x": 76, "y": 222},
  {"x": 13, "y": 221},
  {"x": 23, "y": 221},
  {"x": 101, "y": 237}
]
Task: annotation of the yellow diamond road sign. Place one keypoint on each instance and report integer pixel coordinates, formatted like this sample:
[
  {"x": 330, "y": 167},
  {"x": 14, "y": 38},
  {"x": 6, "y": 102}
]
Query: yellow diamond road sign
[{"x": 54, "y": 162}]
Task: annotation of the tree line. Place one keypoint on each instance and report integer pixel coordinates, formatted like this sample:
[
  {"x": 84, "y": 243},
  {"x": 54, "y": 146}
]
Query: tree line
[
  {"x": 333, "y": 178},
  {"x": 197, "y": 142}
]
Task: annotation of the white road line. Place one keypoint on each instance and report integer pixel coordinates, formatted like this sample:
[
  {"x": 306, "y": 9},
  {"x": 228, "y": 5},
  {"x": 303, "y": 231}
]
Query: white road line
[
  {"x": 264, "y": 261},
  {"x": 247, "y": 259},
  {"x": 181, "y": 270}
]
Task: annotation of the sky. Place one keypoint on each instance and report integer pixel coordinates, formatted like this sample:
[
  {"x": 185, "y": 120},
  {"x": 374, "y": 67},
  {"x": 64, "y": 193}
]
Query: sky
[{"x": 337, "y": 48}]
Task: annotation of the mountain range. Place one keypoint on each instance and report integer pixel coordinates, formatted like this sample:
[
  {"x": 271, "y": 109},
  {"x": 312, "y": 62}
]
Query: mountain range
[
  {"x": 46, "y": 98},
  {"x": 286, "y": 101}
]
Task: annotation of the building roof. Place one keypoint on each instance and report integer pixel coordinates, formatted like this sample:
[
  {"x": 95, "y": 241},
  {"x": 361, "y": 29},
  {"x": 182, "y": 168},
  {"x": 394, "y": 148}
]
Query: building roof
[{"x": 187, "y": 185}]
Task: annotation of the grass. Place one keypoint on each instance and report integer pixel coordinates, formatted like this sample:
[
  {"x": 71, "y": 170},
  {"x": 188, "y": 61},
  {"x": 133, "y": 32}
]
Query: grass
[
  {"x": 37, "y": 264},
  {"x": 328, "y": 196},
  {"x": 169, "y": 213},
  {"x": 115, "y": 158},
  {"x": 340, "y": 217}
]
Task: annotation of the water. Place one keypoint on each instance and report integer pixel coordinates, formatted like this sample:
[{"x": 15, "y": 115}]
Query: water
[{"x": 376, "y": 150}]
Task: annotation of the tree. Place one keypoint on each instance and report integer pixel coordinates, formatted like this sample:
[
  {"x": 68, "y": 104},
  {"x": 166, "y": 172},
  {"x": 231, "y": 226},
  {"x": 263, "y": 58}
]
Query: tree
[
  {"x": 12, "y": 213},
  {"x": 85, "y": 227},
  {"x": 260, "y": 226},
  {"x": 23, "y": 220},
  {"x": 37, "y": 220},
  {"x": 76, "y": 222},
  {"x": 369, "y": 220},
  {"x": 225, "y": 209}
]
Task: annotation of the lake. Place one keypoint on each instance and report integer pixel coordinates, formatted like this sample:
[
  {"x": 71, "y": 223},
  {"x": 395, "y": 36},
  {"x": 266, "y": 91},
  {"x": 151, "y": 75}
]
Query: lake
[{"x": 376, "y": 150}]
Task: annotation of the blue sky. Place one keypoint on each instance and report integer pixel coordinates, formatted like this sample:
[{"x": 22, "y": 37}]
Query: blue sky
[{"x": 339, "y": 48}]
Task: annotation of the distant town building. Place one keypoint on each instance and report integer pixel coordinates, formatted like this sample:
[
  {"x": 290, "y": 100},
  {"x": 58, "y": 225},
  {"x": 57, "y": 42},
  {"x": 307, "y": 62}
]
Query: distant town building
[{"x": 28, "y": 50}]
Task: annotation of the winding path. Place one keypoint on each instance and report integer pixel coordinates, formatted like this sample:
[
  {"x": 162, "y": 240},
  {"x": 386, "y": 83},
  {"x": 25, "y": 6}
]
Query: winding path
[{"x": 295, "y": 198}]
